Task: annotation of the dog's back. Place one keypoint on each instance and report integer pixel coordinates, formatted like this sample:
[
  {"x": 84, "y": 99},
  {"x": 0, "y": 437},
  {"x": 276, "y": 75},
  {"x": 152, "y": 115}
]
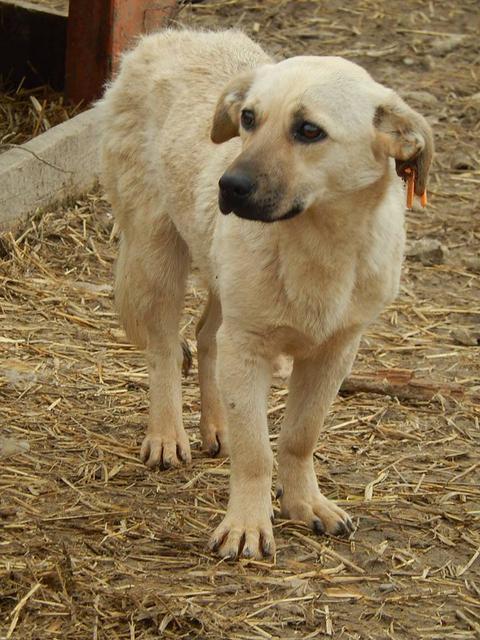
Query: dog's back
[{"x": 171, "y": 74}]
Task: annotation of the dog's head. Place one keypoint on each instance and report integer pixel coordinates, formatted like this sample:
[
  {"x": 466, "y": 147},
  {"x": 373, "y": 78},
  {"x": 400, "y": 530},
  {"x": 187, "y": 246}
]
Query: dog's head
[{"x": 313, "y": 129}]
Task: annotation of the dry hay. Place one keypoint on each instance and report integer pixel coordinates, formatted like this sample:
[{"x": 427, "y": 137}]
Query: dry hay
[
  {"x": 59, "y": 7},
  {"x": 93, "y": 545},
  {"x": 25, "y": 113}
]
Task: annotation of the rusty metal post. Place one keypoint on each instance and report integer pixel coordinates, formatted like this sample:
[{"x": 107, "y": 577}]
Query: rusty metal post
[{"x": 98, "y": 31}]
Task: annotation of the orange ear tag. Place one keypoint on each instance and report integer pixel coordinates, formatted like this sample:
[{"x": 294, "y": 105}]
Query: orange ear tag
[{"x": 411, "y": 189}]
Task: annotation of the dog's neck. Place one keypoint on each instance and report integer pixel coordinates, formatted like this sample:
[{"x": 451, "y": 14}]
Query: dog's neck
[
  {"x": 335, "y": 227},
  {"x": 335, "y": 248}
]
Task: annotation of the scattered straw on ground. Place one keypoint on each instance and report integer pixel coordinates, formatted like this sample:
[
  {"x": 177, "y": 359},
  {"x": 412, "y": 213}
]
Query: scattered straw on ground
[
  {"x": 93, "y": 545},
  {"x": 50, "y": 6},
  {"x": 25, "y": 113}
]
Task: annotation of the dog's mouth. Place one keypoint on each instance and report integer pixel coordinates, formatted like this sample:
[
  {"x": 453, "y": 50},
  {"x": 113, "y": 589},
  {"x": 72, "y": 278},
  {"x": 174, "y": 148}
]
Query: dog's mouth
[{"x": 259, "y": 214}]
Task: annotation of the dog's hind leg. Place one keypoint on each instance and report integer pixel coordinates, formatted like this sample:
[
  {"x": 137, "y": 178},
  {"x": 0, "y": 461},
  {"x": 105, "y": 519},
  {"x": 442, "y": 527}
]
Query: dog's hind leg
[
  {"x": 212, "y": 420},
  {"x": 150, "y": 287}
]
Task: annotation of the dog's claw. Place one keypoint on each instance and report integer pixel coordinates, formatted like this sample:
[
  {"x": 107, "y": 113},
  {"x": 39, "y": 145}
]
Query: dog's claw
[
  {"x": 213, "y": 545},
  {"x": 318, "y": 527},
  {"x": 214, "y": 450},
  {"x": 349, "y": 524},
  {"x": 341, "y": 530},
  {"x": 182, "y": 455}
]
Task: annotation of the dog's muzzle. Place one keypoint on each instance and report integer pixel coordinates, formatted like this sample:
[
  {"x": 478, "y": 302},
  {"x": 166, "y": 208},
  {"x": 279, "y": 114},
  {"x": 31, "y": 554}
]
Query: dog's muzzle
[
  {"x": 236, "y": 195},
  {"x": 235, "y": 191}
]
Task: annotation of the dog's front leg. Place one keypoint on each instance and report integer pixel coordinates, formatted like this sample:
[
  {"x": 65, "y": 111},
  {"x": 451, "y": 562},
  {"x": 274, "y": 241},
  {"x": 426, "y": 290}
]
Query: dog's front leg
[
  {"x": 313, "y": 386},
  {"x": 244, "y": 379}
]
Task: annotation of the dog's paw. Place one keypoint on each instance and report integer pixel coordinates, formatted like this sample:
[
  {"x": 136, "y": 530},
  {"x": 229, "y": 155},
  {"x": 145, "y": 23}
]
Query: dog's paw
[
  {"x": 318, "y": 512},
  {"x": 243, "y": 537},
  {"x": 163, "y": 452},
  {"x": 214, "y": 441}
]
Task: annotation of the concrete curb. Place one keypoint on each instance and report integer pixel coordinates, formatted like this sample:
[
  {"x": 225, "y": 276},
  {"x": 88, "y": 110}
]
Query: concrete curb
[{"x": 57, "y": 164}]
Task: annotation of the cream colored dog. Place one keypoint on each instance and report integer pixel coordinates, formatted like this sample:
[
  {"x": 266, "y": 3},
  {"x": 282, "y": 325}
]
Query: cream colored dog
[{"x": 200, "y": 124}]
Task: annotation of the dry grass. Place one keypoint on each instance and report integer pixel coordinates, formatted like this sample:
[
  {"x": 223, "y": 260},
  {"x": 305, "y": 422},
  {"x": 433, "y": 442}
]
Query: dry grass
[
  {"x": 25, "y": 113},
  {"x": 50, "y": 6},
  {"x": 93, "y": 545}
]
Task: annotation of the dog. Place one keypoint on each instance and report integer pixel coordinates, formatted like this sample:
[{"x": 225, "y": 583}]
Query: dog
[{"x": 277, "y": 181}]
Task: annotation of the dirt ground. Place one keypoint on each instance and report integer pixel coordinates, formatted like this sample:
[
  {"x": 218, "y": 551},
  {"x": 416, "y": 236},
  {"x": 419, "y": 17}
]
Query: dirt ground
[{"x": 93, "y": 545}]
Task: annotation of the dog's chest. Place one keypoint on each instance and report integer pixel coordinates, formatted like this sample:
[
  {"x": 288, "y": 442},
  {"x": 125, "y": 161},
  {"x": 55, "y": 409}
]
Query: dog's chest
[
  {"x": 296, "y": 285},
  {"x": 313, "y": 297},
  {"x": 337, "y": 277},
  {"x": 291, "y": 297}
]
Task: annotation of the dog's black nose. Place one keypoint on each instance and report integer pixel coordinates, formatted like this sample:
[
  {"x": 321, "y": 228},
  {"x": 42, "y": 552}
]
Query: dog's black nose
[
  {"x": 234, "y": 190},
  {"x": 237, "y": 185}
]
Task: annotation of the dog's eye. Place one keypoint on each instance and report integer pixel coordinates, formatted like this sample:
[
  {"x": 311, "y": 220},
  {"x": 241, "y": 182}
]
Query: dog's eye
[
  {"x": 247, "y": 119},
  {"x": 309, "y": 132}
]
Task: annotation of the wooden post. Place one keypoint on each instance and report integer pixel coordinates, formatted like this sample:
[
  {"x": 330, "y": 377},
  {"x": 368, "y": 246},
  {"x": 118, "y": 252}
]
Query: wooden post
[{"x": 98, "y": 31}]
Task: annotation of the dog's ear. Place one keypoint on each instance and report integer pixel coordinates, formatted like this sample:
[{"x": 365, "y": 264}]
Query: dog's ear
[
  {"x": 407, "y": 137},
  {"x": 227, "y": 113}
]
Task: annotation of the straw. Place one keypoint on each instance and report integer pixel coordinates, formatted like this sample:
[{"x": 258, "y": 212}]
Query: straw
[{"x": 94, "y": 545}]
